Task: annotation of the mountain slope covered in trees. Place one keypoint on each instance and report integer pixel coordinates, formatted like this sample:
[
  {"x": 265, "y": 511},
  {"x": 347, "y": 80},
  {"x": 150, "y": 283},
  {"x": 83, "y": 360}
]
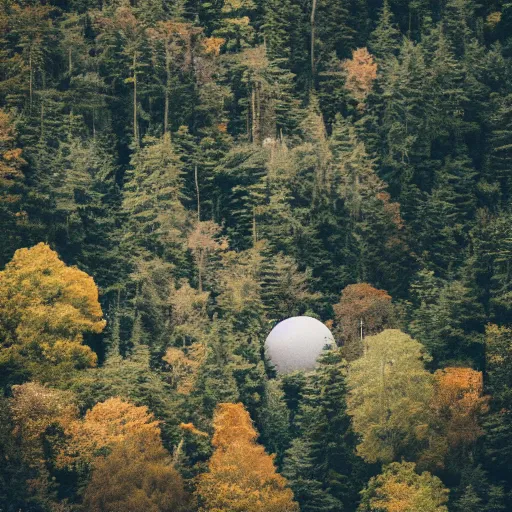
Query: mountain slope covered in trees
[{"x": 177, "y": 176}]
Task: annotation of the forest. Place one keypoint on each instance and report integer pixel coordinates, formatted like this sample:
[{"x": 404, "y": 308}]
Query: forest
[{"x": 179, "y": 176}]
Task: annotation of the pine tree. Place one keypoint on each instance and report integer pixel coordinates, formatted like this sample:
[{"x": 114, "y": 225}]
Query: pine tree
[
  {"x": 447, "y": 320},
  {"x": 498, "y": 425},
  {"x": 325, "y": 433},
  {"x": 274, "y": 419},
  {"x": 152, "y": 201},
  {"x": 384, "y": 40},
  {"x": 87, "y": 202},
  {"x": 500, "y": 142},
  {"x": 458, "y": 20},
  {"x": 299, "y": 470},
  {"x": 286, "y": 291},
  {"x": 448, "y": 93}
]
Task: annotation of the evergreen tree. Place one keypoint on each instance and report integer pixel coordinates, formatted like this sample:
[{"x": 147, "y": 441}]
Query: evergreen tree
[
  {"x": 275, "y": 420},
  {"x": 152, "y": 201},
  {"x": 384, "y": 40},
  {"x": 299, "y": 469},
  {"x": 326, "y": 436}
]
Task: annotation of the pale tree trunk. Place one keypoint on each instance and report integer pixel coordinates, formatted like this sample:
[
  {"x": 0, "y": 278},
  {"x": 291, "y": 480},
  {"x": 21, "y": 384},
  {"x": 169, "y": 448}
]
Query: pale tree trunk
[
  {"x": 135, "y": 127},
  {"x": 196, "y": 179},
  {"x": 30, "y": 77},
  {"x": 313, "y": 14},
  {"x": 253, "y": 117},
  {"x": 258, "y": 112},
  {"x": 42, "y": 119},
  {"x": 200, "y": 266},
  {"x": 254, "y": 230},
  {"x": 167, "y": 87}
]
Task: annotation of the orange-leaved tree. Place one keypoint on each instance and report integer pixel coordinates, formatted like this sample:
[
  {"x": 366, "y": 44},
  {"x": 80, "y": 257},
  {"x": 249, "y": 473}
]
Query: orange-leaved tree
[
  {"x": 361, "y": 71},
  {"x": 45, "y": 308},
  {"x": 241, "y": 476},
  {"x": 458, "y": 404},
  {"x": 363, "y": 304},
  {"x": 131, "y": 468},
  {"x": 104, "y": 426},
  {"x": 136, "y": 476}
]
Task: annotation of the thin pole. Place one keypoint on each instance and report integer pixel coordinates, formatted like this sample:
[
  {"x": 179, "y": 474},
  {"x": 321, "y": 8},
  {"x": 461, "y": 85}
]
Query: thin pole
[{"x": 197, "y": 193}]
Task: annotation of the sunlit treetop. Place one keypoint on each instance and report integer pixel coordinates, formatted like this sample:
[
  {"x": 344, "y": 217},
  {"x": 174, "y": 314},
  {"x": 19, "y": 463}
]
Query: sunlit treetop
[{"x": 45, "y": 308}]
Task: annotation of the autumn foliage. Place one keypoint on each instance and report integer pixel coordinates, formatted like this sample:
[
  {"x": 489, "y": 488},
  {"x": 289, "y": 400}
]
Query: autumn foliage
[
  {"x": 38, "y": 410},
  {"x": 400, "y": 489},
  {"x": 137, "y": 476},
  {"x": 459, "y": 403},
  {"x": 360, "y": 71},
  {"x": 106, "y": 425},
  {"x": 361, "y": 303},
  {"x": 45, "y": 308},
  {"x": 11, "y": 161},
  {"x": 241, "y": 477}
]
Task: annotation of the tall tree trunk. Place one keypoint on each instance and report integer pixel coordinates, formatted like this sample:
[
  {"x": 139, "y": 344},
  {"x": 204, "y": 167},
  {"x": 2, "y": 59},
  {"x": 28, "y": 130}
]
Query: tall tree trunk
[
  {"x": 200, "y": 265},
  {"x": 254, "y": 228},
  {"x": 196, "y": 179},
  {"x": 41, "y": 119},
  {"x": 167, "y": 87},
  {"x": 258, "y": 112},
  {"x": 313, "y": 14},
  {"x": 30, "y": 77},
  {"x": 253, "y": 112},
  {"x": 135, "y": 127}
]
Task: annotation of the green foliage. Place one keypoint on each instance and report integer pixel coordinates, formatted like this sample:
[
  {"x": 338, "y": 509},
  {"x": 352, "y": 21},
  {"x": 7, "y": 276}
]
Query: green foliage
[
  {"x": 329, "y": 471},
  {"x": 399, "y": 487},
  {"x": 275, "y": 420},
  {"x": 388, "y": 384},
  {"x": 216, "y": 167}
]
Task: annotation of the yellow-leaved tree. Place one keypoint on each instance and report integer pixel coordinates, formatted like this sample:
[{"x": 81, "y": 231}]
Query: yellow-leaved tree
[
  {"x": 241, "y": 476},
  {"x": 137, "y": 476},
  {"x": 104, "y": 426},
  {"x": 45, "y": 308},
  {"x": 40, "y": 415},
  {"x": 131, "y": 470},
  {"x": 400, "y": 489},
  {"x": 389, "y": 398}
]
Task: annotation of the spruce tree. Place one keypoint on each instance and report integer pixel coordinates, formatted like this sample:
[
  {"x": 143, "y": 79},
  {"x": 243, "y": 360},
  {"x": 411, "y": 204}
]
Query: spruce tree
[
  {"x": 152, "y": 201},
  {"x": 384, "y": 40},
  {"x": 326, "y": 436}
]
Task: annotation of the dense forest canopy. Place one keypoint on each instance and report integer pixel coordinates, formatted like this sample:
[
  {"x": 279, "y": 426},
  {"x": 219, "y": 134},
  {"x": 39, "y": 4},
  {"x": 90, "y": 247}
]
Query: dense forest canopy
[{"x": 178, "y": 176}]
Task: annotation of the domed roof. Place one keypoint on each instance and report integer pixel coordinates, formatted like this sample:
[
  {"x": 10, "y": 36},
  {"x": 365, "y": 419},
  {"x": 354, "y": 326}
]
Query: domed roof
[{"x": 296, "y": 343}]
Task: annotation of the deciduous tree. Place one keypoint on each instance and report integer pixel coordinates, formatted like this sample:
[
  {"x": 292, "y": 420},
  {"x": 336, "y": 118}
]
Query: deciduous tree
[
  {"x": 138, "y": 474},
  {"x": 241, "y": 477},
  {"x": 400, "y": 488},
  {"x": 45, "y": 309},
  {"x": 389, "y": 397},
  {"x": 362, "y": 311}
]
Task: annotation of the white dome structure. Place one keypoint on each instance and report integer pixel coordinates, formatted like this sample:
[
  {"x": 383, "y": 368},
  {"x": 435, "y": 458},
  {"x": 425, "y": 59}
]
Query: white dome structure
[{"x": 296, "y": 343}]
